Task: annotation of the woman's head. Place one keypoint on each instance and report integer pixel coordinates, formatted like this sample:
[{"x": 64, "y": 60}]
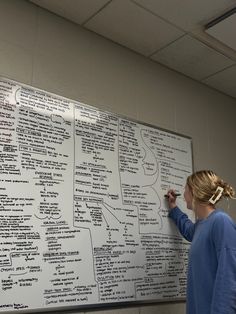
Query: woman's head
[{"x": 205, "y": 187}]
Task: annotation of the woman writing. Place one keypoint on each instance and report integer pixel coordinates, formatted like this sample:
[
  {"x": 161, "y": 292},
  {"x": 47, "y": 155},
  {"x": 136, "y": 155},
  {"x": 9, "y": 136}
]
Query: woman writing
[{"x": 211, "y": 283}]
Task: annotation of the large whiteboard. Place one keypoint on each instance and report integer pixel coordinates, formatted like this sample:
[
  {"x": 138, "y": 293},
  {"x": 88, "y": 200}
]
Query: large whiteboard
[{"x": 83, "y": 219}]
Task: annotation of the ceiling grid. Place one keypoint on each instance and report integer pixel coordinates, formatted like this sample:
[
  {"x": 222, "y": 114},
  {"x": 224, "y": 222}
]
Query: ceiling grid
[{"x": 176, "y": 37}]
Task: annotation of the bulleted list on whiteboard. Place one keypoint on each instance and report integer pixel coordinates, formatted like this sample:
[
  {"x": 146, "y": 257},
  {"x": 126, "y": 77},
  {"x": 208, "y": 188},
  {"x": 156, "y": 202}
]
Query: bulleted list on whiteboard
[{"x": 82, "y": 209}]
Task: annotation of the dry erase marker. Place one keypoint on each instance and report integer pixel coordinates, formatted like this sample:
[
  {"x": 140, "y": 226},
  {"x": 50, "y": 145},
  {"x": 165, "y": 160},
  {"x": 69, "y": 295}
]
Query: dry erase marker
[{"x": 175, "y": 195}]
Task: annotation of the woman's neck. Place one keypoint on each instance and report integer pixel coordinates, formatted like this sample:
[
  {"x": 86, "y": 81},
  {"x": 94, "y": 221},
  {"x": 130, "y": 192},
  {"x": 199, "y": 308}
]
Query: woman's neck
[{"x": 203, "y": 211}]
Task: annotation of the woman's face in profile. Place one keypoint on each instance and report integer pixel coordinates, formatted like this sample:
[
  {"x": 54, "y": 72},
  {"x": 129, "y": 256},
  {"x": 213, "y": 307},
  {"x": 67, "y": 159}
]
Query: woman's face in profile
[{"x": 188, "y": 196}]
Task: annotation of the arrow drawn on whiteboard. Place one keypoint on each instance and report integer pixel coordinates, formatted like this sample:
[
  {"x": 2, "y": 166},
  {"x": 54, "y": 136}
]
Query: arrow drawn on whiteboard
[
  {"x": 21, "y": 274},
  {"x": 104, "y": 218},
  {"x": 41, "y": 218},
  {"x": 47, "y": 217},
  {"x": 17, "y": 96},
  {"x": 106, "y": 206}
]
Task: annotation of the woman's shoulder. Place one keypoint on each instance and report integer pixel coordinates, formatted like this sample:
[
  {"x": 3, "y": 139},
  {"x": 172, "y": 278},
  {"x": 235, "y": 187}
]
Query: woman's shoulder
[
  {"x": 223, "y": 231},
  {"x": 221, "y": 215},
  {"x": 222, "y": 221}
]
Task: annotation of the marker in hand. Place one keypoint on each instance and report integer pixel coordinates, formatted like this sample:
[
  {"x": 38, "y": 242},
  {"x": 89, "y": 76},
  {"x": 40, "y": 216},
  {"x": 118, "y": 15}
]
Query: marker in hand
[
  {"x": 171, "y": 198},
  {"x": 174, "y": 195}
]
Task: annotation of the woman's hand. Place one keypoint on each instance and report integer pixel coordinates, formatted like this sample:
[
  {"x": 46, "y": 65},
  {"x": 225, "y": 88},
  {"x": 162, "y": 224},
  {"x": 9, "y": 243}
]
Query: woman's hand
[{"x": 171, "y": 199}]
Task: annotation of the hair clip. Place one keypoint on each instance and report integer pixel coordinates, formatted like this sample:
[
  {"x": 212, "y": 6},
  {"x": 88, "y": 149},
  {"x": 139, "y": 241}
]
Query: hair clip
[{"x": 217, "y": 195}]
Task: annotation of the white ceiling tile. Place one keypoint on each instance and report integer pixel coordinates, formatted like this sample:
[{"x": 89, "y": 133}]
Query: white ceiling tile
[
  {"x": 77, "y": 11},
  {"x": 126, "y": 23},
  {"x": 54, "y": 5},
  {"x": 187, "y": 13},
  {"x": 192, "y": 58},
  {"x": 224, "y": 81}
]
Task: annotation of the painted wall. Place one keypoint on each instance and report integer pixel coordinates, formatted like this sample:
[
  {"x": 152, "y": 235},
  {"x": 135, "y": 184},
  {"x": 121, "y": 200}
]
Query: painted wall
[{"x": 48, "y": 52}]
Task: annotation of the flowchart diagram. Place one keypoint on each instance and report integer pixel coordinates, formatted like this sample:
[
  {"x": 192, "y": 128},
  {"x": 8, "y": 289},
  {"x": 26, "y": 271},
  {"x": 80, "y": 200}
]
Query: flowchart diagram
[{"x": 83, "y": 214}]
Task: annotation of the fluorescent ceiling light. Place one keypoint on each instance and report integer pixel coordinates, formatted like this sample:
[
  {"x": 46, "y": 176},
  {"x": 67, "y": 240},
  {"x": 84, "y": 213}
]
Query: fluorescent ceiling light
[{"x": 223, "y": 29}]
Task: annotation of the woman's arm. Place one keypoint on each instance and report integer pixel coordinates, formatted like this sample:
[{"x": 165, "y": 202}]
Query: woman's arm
[{"x": 185, "y": 225}]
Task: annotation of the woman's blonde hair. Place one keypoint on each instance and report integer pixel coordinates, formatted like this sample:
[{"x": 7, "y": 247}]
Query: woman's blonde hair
[{"x": 205, "y": 186}]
